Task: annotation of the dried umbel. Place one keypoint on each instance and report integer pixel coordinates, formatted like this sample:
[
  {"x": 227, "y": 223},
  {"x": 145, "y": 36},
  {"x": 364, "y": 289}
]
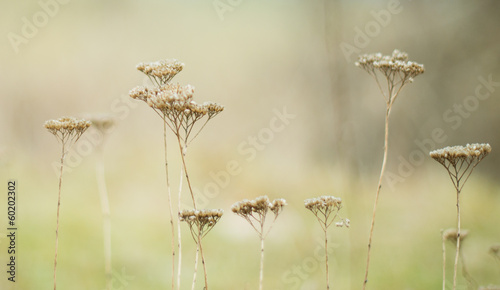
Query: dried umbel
[
  {"x": 452, "y": 234},
  {"x": 161, "y": 72},
  {"x": 201, "y": 221},
  {"x": 255, "y": 212},
  {"x": 102, "y": 122},
  {"x": 175, "y": 104},
  {"x": 67, "y": 129},
  {"x": 396, "y": 68},
  {"x": 459, "y": 161},
  {"x": 392, "y": 72},
  {"x": 326, "y": 209}
]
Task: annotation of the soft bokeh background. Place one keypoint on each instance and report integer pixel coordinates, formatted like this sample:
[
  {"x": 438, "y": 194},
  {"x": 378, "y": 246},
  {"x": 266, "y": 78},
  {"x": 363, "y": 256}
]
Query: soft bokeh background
[{"x": 256, "y": 58}]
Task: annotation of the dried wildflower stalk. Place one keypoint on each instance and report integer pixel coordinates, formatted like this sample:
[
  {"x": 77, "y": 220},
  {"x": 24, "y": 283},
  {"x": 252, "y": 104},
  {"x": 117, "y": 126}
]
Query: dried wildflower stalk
[
  {"x": 200, "y": 222},
  {"x": 397, "y": 71},
  {"x": 174, "y": 104},
  {"x": 459, "y": 161},
  {"x": 103, "y": 124},
  {"x": 326, "y": 210},
  {"x": 255, "y": 212},
  {"x": 67, "y": 130}
]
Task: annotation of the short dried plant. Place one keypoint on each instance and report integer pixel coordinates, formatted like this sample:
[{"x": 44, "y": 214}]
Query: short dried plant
[
  {"x": 451, "y": 236},
  {"x": 326, "y": 210},
  {"x": 181, "y": 114},
  {"x": 392, "y": 72},
  {"x": 255, "y": 212},
  {"x": 67, "y": 130},
  {"x": 200, "y": 222},
  {"x": 459, "y": 162}
]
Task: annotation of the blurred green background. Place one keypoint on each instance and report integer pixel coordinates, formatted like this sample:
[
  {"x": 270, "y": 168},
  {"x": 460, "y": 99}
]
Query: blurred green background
[{"x": 256, "y": 58}]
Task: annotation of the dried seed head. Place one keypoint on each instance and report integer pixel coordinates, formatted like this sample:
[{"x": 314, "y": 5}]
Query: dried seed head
[
  {"x": 455, "y": 153},
  {"x": 257, "y": 209},
  {"x": 451, "y": 235},
  {"x": 67, "y": 128},
  {"x": 102, "y": 122},
  {"x": 201, "y": 221},
  {"x": 161, "y": 71},
  {"x": 326, "y": 209},
  {"x": 390, "y": 64}
]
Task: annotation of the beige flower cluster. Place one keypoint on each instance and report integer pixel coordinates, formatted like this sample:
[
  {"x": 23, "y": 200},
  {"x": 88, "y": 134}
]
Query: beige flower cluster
[
  {"x": 66, "y": 128},
  {"x": 174, "y": 103},
  {"x": 453, "y": 154},
  {"x": 390, "y": 64},
  {"x": 203, "y": 220},
  {"x": 261, "y": 205},
  {"x": 451, "y": 235},
  {"x": 323, "y": 207},
  {"x": 162, "y": 71}
]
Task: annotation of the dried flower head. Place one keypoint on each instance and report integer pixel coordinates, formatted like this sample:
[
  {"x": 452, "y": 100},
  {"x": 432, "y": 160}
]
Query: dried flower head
[
  {"x": 175, "y": 104},
  {"x": 459, "y": 161},
  {"x": 326, "y": 209},
  {"x": 161, "y": 72},
  {"x": 396, "y": 68},
  {"x": 102, "y": 122},
  {"x": 257, "y": 209},
  {"x": 67, "y": 129},
  {"x": 451, "y": 235},
  {"x": 495, "y": 250},
  {"x": 200, "y": 221}
]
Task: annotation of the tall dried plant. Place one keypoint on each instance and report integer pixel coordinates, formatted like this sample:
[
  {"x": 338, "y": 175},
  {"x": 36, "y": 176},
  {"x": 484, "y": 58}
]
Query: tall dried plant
[
  {"x": 392, "y": 72},
  {"x": 459, "y": 162},
  {"x": 67, "y": 130},
  {"x": 255, "y": 212},
  {"x": 181, "y": 114},
  {"x": 103, "y": 124},
  {"x": 326, "y": 209}
]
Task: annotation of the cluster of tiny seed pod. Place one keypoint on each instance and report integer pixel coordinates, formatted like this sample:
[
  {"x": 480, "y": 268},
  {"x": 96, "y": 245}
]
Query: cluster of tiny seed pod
[
  {"x": 162, "y": 71},
  {"x": 200, "y": 221},
  {"x": 451, "y": 235},
  {"x": 67, "y": 128},
  {"x": 453, "y": 154},
  {"x": 390, "y": 64},
  {"x": 261, "y": 205},
  {"x": 323, "y": 207}
]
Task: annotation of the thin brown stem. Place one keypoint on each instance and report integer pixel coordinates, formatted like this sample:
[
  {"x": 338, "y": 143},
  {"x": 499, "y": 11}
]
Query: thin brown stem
[
  {"x": 57, "y": 219},
  {"x": 195, "y": 265},
  {"x": 382, "y": 170},
  {"x": 261, "y": 262},
  {"x": 169, "y": 205},
  {"x": 444, "y": 260},
  {"x": 106, "y": 215},
  {"x": 179, "y": 239},
  {"x": 458, "y": 242},
  {"x": 183, "y": 157},
  {"x": 203, "y": 262},
  {"x": 326, "y": 261}
]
